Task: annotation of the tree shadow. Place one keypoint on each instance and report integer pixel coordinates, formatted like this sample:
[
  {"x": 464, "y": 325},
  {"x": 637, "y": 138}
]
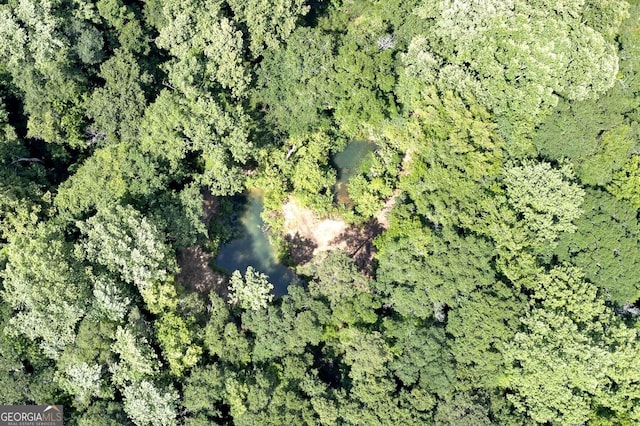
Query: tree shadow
[
  {"x": 195, "y": 273},
  {"x": 317, "y": 9},
  {"x": 300, "y": 248},
  {"x": 359, "y": 242}
]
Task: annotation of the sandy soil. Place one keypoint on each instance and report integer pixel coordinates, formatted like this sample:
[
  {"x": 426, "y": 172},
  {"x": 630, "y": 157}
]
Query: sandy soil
[
  {"x": 302, "y": 223},
  {"x": 309, "y": 235}
]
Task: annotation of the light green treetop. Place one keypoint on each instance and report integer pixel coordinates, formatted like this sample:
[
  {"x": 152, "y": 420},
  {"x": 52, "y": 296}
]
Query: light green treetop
[
  {"x": 517, "y": 56},
  {"x": 128, "y": 245},
  {"x": 573, "y": 358},
  {"x": 545, "y": 197},
  {"x": 46, "y": 287},
  {"x": 251, "y": 292}
]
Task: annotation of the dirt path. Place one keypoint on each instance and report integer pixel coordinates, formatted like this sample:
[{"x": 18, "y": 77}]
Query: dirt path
[{"x": 383, "y": 215}]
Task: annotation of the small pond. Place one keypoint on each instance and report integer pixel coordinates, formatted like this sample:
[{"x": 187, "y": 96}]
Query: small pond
[
  {"x": 252, "y": 247},
  {"x": 348, "y": 162}
]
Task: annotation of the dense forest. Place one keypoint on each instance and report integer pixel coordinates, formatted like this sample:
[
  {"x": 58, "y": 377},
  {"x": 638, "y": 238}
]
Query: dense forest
[{"x": 487, "y": 267}]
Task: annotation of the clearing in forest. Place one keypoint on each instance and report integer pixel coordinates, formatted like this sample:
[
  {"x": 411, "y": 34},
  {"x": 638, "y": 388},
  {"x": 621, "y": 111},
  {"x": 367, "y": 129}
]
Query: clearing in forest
[{"x": 309, "y": 235}]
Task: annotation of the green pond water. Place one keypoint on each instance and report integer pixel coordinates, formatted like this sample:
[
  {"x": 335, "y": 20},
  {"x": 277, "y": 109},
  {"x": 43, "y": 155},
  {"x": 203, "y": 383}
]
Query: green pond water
[
  {"x": 253, "y": 248},
  {"x": 348, "y": 162}
]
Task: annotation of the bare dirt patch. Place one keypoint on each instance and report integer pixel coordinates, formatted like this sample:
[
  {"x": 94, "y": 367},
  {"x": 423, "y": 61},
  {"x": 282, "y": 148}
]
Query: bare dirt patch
[
  {"x": 195, "y": 273},
  {"x": 309, "y": 235},
  {"x": 301, "y": 223}
]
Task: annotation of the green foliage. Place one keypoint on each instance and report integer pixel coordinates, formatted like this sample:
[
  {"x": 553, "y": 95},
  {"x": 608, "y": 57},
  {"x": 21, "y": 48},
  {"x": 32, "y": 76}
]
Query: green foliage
[
  {"x": 293, "y": 82},
  {"x": 615, "y": 147},
  {"x": 222, "y": 337},
  {"x": 136, "y": 358},
  {"x": 463, "y": 410},
  {"x": 110, "y": 300},
  {"x": 545, "y": 198},
  {"x": 458, "y": 158},
  {"x": 364, "y": 79},
  {"x": 176, "y": 340},
  {"x": 39, "y": 58},
  {"x": 517, "y": 57},
  {"x": 337, "y": 280},
  {"x": 127, "y": 244},
  {"x": 117, "y": 173},
  {"x": 336, "y": 277},
  {"x": 626, "y": 183},
  {"x": 118, "y": 106},
  {"x": 180, "y": 214},
  {"x": 283, "y": 331},
  {"x": 126, "y": 29},
  {"x": 46, "y": 287},
  {"x": 369, "y": 191},
  {"x": 203, "y": 389},
  {"x": 175, "y": 128},
  {"x": 89, "y": 43},
  {"x": 268, "y": 22},
  {"x": 571, "y": 354},
  {"x": 251, "y": 292},
  {"x": 103, "y": 413},
  {"x": 605, "y": 246},
  {"x": 14, "y": 377},
  {"x": 422, "y": 356},
  {"x": 479, "y": 327},
  {"x": 365, "y": 74},
  {"x": 603, "y": 131},
  {"x": 498, "y": 292},
  {"x": 160, "y": 297},
  {"x": 22, "y": 184},
  {"x": 428, "y": 258},
  {"x": 421, "y": 284},
  {"x": 207, "y": 45},
  {"x": 311, "y": 176},
  {"x": 91, "y": 345},
  {"x": 303, "y": 170},
  {"x": 83, "y": 381},
  {"x": 602, "y": 145},
  {"x": 147, "y": 404}
]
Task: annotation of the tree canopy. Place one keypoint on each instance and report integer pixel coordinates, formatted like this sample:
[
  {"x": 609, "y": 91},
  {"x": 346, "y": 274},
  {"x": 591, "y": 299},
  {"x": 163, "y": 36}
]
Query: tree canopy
[{"x": 448, "y": 192}]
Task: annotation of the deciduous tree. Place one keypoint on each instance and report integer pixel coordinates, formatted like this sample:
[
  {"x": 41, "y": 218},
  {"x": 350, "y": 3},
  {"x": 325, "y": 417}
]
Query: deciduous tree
[{"x": 251, "y": 292}]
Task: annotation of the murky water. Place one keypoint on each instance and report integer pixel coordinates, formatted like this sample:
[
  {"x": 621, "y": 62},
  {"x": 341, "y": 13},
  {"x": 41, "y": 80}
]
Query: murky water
[
  {"x": 348, "y": 163},
  {"x": 253, "y": 248}
]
